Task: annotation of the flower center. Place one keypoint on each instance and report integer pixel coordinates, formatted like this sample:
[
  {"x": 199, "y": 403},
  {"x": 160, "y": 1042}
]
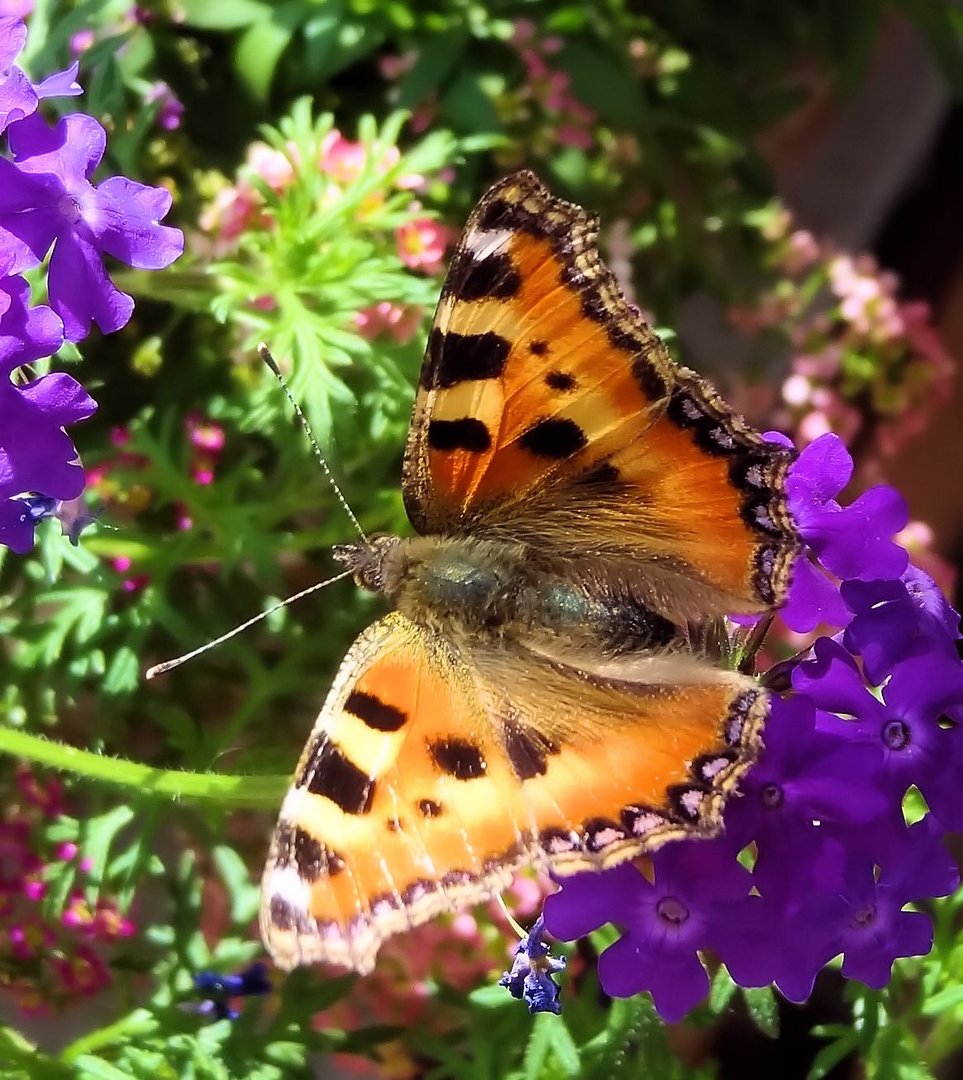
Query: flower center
[
  {"x": 863, "y": 918},
  {"x": 671, "y": 910},
  {"x": 69, "y": 208},
  {"x": 772, "y": 796},
  {"x": 895, "y": 734}
]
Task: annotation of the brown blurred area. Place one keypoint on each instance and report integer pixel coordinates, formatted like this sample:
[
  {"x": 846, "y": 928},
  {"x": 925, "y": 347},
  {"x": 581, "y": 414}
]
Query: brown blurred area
[{"x": 881, "y": 170}]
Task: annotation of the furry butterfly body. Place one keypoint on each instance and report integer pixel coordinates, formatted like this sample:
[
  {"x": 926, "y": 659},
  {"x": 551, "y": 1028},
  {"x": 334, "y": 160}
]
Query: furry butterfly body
[{"x": 540, "y": 693}]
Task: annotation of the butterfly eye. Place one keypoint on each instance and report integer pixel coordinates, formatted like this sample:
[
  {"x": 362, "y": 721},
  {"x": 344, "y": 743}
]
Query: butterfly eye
[{"x": 366, "y": 560}]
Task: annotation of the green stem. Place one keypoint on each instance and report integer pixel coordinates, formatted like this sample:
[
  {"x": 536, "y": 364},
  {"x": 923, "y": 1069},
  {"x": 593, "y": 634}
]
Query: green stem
[{"x": 247, "y": 792}]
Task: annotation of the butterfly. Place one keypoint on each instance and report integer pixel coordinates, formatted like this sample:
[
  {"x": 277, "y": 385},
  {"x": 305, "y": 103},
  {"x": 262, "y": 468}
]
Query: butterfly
[{"x": 544, "y": 691}]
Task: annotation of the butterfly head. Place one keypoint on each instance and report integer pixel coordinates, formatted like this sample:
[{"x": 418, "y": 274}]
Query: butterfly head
[{"x": 366, "y": 560}]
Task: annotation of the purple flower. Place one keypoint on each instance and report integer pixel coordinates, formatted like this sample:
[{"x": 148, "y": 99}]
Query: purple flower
[
  {"x": 170, "y": 108},
  {"x": 916, "y": 745},
  {"x": 253, "y": 980},
  {"x": 893, "y": 620},
  {"x": 874, "y": 929},
  {"x": 18, "y": 96},
  {"x": 698, "y": 892},
  {"x": 530, "y": 979},
  {"x": 851, "y": 542},
  {"x": 37, "y": 457},
  {"x": 46, "y": 201},
  {"x": 804, "y": 781}
]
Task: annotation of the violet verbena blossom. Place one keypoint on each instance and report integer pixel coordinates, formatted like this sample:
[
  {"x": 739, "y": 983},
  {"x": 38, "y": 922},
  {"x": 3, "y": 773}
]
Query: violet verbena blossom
[
  {"x": 47, "y": 204},
  {"x": 37, "y": 458},
  {"x": 816, "y": 859},
  {"x": 48, "y": 207}
]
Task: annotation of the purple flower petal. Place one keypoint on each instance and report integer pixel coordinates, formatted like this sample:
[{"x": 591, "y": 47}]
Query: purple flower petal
[
  {"x": 129, "y": 229},
  {"x": 46, "y": 198},
  {"x": 26, "y": 334},
  {"x": 677, "y": 983},
  {"x": 80, "y": 290},
  {"x": 69, "y": 151},
  {"x": 894, "y": 620},
  {"x": 60, "y": 84},
  {"x": 813, "y": 599},
  {"x": 853, "y": 541},
  {"x": 17, "y": 95}
]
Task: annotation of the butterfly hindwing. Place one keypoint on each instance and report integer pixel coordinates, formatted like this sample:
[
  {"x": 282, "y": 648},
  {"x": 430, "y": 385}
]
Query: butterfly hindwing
[
  {"x": 542, "y": 386},
  {"x": 432, "y": 774}
]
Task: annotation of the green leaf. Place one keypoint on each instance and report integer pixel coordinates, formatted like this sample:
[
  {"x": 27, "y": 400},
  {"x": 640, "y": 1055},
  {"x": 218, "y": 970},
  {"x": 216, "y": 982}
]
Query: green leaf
[
  {"x": 98, "y": 834},
  {"x": 263, "y": 43},
  {"x": 224, "y": 14},
  {"x": 763, "y": 1009},
  {"x": 437, "y": 59},
  {"x": 469, "y": 107}
]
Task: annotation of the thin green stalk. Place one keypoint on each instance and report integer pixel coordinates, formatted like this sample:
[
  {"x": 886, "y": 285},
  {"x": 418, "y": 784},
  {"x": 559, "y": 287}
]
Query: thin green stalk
[{"x": 248, "y": 792}]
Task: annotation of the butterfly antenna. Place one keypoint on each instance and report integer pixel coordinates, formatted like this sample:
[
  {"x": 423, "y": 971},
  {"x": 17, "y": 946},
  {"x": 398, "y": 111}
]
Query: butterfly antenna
[
  {"x": 167, "y": 665},
  {"x": 265, "y": 354}
]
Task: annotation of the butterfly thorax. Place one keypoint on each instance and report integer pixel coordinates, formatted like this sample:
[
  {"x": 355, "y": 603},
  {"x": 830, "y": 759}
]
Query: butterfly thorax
[{"x": 467, "y": 587}]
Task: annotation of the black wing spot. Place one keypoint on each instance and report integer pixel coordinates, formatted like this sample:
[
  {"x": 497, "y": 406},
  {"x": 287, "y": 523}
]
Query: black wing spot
[
  {"x": 374, "y": 712},
  {"x": 527, "y": 752},
  {"x": 330, "y": 774},
  {"x": 429, "y": 808},
  {"x": 538, "y": 348},
  {"x": 468, "y": 433},
  {"x": 603, "y": 473},
  {"x": 455, "y": 358},
  {"x": 556, "y": 438},
  {"x": 285, "y": 916},
  {"x": 649, "y": 378},
  {"x": 561, "y": 381},
  {"x": 313, "y": 860},
  {"x": 491, "y": 278},
  {"x": 458, "y": 757}
]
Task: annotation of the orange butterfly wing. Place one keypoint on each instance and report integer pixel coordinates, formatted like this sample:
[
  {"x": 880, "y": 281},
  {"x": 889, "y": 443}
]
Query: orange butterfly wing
[
  {"x": 430, "y": 776},
  {"x": 541, "y": 383}
]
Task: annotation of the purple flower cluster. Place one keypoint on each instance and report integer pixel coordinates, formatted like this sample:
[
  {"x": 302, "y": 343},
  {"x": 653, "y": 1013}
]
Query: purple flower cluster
[
  {"x": 817, "y": 859},
  {"x": 50, "y": 211}
]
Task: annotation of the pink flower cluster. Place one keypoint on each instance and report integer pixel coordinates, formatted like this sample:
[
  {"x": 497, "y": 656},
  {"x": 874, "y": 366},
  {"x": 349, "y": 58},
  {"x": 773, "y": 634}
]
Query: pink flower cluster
[
  {"x": 46, "y": 962},
  {"x": 865, "y": 363},
  {"x": 463, "y": 952},
  {"x": 420, "y": 243},
  {"x": 549, "y": 89}
]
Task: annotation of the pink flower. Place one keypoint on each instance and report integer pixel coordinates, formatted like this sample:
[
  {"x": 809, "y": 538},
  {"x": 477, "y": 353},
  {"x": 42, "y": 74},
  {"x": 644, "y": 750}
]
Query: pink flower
[
  {"x": 83, "y": 973},
  {"x": 568, "y": 135},
  {"x": 47, "y": 797},
  {"x": 81, "y": 41},
  {"x": 421, "y": 244},
  {"x": 34, "y": 889},
  {"x": 401, "y": 321},
  {"x": 108, "y": 924},
  {"x": 272, "y": 166},
  {"x": 523, "y": 31},
  {"x": 393, "y": 67},
  {"x": 171, "y": 108},
  {"x": 77, "y": 914},
  {"x": 341, "y": 159},
  {"x": 232, "y": 210},
  {"x": 204, "y": 434}
]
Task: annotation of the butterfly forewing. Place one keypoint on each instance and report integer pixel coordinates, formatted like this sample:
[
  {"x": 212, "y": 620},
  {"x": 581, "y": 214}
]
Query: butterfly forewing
[{"x": 542, "y": 388}]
